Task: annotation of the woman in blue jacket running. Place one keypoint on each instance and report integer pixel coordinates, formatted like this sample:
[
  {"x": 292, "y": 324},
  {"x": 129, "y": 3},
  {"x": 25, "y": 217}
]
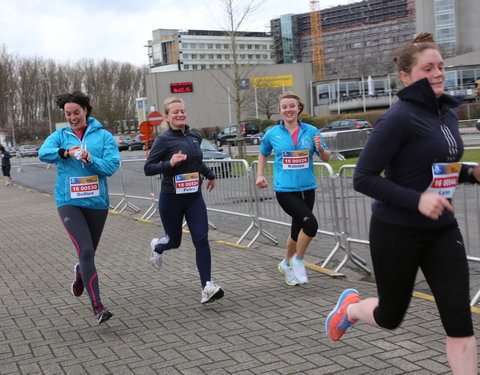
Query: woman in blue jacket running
[
  {"x": 176, "y": 154},
  {"x": 294, "y": 182},
  {"x": 85, "y": 154}
]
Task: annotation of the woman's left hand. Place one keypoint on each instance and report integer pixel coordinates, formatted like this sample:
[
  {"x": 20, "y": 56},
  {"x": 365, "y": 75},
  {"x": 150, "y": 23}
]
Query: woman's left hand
[{"x": 211, "y": 184}]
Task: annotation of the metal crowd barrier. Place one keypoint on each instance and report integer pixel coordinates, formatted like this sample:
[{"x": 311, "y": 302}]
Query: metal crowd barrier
[
  {"x": 342, "y": 213},
  {"x": 346, "y": 141}
]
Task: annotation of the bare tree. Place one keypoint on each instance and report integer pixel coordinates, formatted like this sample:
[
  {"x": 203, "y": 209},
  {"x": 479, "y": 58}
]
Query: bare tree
[
  {"x": 236, "y": 13},
  {"x": 264, "y": 101}
]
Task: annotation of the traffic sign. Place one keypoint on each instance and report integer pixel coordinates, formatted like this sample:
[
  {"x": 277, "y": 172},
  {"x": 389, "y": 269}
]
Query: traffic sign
[
  {"x": 155, "y": 118},
  {"x": 147, "y": 137},
  {"x": 145, "y": 128}
]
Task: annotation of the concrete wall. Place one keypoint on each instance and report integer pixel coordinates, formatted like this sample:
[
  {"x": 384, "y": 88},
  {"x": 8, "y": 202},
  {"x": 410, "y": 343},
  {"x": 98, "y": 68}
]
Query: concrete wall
[{"x": 208, "y": 104}]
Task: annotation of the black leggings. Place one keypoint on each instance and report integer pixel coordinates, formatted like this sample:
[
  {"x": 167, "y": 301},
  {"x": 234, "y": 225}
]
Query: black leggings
[
  {"x": 397, "y": 254},
  {"x": 6, "y": 170},
  {"x": 85, "y": 227},
  {"x": 299, "y": 205}
]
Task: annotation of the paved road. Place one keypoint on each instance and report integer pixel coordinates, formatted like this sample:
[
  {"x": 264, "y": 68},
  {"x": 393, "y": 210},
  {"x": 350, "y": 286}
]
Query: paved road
[{"x": 261, "y": 326}]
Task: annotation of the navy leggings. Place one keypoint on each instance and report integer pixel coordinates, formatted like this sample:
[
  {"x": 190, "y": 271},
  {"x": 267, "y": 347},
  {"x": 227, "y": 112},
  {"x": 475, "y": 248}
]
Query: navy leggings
[
  {"x": 299, "y": 205},
  {"x": 85, "y": 227},
  {"x": 173, "y": 208},
  {"x": 397, "y": 254}
]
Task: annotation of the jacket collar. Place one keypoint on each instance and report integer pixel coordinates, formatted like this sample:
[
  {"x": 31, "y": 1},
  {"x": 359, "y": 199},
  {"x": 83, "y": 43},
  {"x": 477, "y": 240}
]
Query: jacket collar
[{"x": 422, "y": 93}]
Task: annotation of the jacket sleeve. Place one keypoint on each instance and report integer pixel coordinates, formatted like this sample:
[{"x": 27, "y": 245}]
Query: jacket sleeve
[
  {"x": 108, "y": 164},
  {"x": 383, "y": 144},
  {"x": 155, "y": 163},
  {"x": 48, "y": 153}
]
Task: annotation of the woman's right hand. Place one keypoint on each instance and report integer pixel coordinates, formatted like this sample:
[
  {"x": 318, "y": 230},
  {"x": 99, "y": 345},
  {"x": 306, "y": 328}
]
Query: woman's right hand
[
  {"x": 177, "y": 158},
  {"x": 261, "y": 182},
  {"x": 432, "y": 205}
]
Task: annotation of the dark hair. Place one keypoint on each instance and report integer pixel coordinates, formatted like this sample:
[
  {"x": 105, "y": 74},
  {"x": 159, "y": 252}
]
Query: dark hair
[
  {"x": 292, "y": 95},
  {"x": 405, "y": 57},
  {"x": 77, "y": 97},
  {"x": 2, "y": 149}
]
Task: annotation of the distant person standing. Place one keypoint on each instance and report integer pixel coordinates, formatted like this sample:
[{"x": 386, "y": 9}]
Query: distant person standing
[
  {"x": 176, "y": 154},
  {"x": 293, "y": 143},
  {"x": 85, "y": 154},
  {"x": 6, "y": 165},
  {"x": 413, "y": 150}
]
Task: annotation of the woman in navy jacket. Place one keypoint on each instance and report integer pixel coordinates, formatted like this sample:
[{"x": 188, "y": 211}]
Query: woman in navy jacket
[
  {"x": 176, "y": 154},
  {"x": 417, "y": 145}
]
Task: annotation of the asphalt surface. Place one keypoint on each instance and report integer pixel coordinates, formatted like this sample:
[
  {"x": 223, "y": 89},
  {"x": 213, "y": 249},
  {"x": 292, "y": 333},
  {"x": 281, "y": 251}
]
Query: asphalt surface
[{"x": 261, "y": 326}]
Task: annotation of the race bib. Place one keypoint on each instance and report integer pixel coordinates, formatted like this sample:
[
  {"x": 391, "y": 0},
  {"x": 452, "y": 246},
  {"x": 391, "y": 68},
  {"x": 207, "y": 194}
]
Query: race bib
[
  {"x": 445, "y": 179},
  {"x": 295, "y": 159},
  {"x": 187, "y": 183},
  {"x": 84, "y": 187}
]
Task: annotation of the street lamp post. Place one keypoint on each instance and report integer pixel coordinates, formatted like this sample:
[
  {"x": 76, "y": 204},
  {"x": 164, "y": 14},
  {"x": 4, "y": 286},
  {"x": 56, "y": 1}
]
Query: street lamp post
[{"x": 48, "y": 104}]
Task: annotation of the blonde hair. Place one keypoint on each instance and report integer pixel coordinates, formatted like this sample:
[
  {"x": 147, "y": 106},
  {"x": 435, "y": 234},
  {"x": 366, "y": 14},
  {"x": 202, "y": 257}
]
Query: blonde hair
[
  {"x": 292, "y": 95},
  {"x": 166, "y": 104},
  {"x": 169, "y": 101},
  {"x": 406, "y": 57}
]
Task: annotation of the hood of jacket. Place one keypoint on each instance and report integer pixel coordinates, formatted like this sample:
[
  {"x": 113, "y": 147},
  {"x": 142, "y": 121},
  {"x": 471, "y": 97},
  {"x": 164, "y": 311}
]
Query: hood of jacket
[{"x": 421, "y": 92}]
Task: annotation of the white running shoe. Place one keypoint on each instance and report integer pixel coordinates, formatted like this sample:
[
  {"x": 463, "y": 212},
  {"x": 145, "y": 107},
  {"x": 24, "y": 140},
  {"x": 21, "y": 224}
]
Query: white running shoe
[
  {"x": 155, "y": 257},
  {"x": 287, "y": 271},
  {"x": 298, "y": 267},
  {"x": 211, "y": 292}
]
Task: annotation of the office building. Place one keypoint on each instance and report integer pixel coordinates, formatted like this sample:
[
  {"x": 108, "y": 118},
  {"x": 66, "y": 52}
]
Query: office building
[
  {"x": 177, "y": 50},
  {"x": 357, "y": 38}
]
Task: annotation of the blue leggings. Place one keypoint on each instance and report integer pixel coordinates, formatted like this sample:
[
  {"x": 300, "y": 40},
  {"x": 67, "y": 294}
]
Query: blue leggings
[
  {"x": 85, "y": 227},
  {"x": 173, "y": 208}
]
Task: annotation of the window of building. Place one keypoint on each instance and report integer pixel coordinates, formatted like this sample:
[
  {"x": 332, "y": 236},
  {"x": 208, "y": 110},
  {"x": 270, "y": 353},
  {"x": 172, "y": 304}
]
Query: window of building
[
  {"x": 203, "y": 66},
  {"x": 249, "y": 46},
  {"x": 210, "y": 46},
  {"x": 219, "y": 56},
  {"x": 186, "y": 67},
  {"x": 226, "y": 46},
  {"x": 227, "y": 56},
  {"x": 218, "y": 46},
  {"x": 194, "y": 66},
  {"x": 194, "y": 55},
  {"x": 241, "y": 46},
  {"x": 193, "y": 45},
  {"x": 210, "y": 56}
]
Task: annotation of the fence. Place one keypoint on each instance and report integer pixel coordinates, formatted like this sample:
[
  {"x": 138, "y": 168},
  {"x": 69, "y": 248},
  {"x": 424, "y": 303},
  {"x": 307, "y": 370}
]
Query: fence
[{"x": 342, "y": 213}]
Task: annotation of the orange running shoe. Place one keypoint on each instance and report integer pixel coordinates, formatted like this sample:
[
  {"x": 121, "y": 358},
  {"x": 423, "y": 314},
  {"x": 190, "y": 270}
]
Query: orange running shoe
[{"x": 337, "y": 321}]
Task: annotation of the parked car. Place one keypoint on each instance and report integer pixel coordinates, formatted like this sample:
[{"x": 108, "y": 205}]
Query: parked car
[
  {"x": 346, "y": 124},
  {"x": 27, "y": 151},
  {"x": 139, "y": 144},
  {"x": 260, "y": 135},
  {"x": 212, "y": 153},
  {"x": 478, "y": 124},
  {"x": 230, "y": 132},
  {"x": 122, "y": 141},
  {"x": 12, "y": 151}
]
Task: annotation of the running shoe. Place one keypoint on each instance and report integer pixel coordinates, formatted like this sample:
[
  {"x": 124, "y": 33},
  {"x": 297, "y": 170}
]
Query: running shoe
[
  {"x": 338, "y": 321},
  {"x": 211, "y": 292},
  {"x": 77, "y": 284},
  {"x": 287, "y": 271},
  {"x": 155, "y": 257},
  {"x": 299, "y": 272},
  {"x": 101, "y": 313}
]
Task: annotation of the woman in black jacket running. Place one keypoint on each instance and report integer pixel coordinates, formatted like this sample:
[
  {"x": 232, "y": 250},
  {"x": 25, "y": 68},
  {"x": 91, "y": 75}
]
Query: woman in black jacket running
[
  {"x": 176, "y": 154},
  {"x": 417, "y": 145}
]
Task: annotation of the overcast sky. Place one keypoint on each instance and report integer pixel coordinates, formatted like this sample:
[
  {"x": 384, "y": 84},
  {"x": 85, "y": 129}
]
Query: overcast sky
[{"x": 65, "y": 30}]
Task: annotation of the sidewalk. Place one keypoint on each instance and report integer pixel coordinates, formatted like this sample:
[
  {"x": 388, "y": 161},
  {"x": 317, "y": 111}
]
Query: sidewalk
[{"x": 261, "y": 326}]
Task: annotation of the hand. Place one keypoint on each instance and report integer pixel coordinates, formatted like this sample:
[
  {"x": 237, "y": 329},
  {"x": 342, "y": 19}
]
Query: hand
[
  {"x": 177, "y": 158},
  {"x": 476, "y": 172},
  {"x": 211, "y": 184},
  {"x": 261, "y": 182},
  {"x": 432, "y": 205},
  {"x": 318, "y": 142}
]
